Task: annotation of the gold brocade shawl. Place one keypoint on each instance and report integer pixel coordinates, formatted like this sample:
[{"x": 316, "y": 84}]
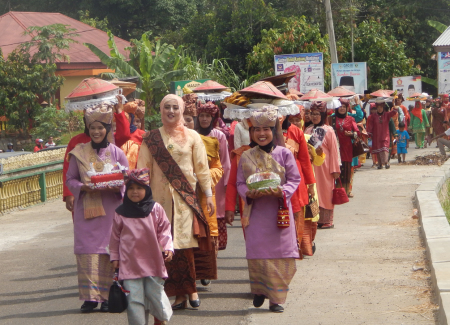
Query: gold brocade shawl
[
  {"x": 211, "y": 145},
  {"x": 254, "y": 161},
  {"x": 85, "y": 154}
]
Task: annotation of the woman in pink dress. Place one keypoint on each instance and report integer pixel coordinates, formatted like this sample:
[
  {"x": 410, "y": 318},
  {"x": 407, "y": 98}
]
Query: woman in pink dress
[{"x": 329, "y": 171}]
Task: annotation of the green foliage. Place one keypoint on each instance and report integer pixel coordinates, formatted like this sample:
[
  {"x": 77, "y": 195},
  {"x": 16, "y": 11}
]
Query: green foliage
[
  {"x": 229, "y": 30},
  {"x": 385, "y": 56},
  {"x": 295, "y": 35},
  {"x": 94, "y": 22},
  {"x": 51, "y": 122},
  {"x": 21, "y": 80},
  {"x": 156, "y": 66},
  {"x": 49, "y": 42}
]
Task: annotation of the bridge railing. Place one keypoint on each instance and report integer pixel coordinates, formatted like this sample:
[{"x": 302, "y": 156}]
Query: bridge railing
[{"x": 30, "y": 178}]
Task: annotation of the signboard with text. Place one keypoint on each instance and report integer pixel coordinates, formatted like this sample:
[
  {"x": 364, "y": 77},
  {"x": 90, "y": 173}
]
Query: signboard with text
[
  {"x": 308, "y": 68},
  {"x": 352, "y": 76}
]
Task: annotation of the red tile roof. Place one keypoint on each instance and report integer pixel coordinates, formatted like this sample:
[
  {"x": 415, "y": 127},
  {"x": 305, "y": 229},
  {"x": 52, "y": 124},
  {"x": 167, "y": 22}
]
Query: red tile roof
[{"x": 13, "y": 24}]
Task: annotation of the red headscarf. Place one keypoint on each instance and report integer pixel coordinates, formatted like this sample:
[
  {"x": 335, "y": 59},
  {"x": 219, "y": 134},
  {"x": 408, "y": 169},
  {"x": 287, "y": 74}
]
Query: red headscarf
[{"x": 417, "y": 111}]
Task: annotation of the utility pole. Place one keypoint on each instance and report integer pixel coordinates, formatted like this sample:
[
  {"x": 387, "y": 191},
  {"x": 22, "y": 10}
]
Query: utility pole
[
  {"x": 351, "y": 22},
  {"x": 330, "y": 30}
]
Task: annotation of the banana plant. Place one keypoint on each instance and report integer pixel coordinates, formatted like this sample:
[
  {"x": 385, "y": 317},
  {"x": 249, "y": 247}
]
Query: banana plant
[{"x": 155, "y": 64}]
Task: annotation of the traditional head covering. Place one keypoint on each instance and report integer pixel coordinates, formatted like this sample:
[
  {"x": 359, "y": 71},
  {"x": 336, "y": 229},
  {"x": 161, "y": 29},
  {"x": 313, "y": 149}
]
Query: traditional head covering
[
  {"x": 292, "y": 97},
  {"x": 102, "y": 113},
  {"x": 373, "y": 105},
  {"x": 190, "y": 104},
  {"x": 417, "y": 111},
  {"x": 208, "y": 107},
  {"x": 139, "y": 176},
  {"x": 176, "y": 129},
  {"x": 322, "y": 108},
  {"x": 142, "y": 209},
  {"x": 267, "y": 116}
]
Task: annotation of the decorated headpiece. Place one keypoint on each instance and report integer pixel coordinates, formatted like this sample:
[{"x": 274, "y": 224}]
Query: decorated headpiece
[
  {"x": 319, "y": 106},
  {"x": 344, "y": 101},
  {"x": 208, "y": 107},
  {"x": 140, "y": 176},
  {"x": 266, "y": 116},
  {"x": 102, "y": 113},
  {"x": 190, "y": 104},
  {"x": 373, "y": 105}
]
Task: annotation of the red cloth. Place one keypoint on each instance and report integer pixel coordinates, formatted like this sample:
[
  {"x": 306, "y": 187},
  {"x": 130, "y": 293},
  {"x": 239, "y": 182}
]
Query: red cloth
[
  {"x": 304, "y": 166},
  {"x": 36, "y": 148},
  {"x": 80, "y": 138},
  {"x": 407, "y": 116},
  {"x": 122, "y": 133},
  {"x": 137, "y": 135},
  {"x": 232, "y": 193},
  {"x": 345, "y": 142},
  {"x": 378, "y": 129},
  {"x": 417, "y": 111}
]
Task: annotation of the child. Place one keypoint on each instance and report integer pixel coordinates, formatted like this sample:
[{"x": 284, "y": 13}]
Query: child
[
  {"x": 140, "y": 230},
  {"x": 403, "y": 142}
]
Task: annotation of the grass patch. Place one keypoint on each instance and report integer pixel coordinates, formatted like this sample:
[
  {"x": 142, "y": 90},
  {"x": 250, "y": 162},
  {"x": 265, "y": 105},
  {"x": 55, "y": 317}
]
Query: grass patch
[
  {"x": 444, "y": 198},
  {"x": 65, "y": 137}
]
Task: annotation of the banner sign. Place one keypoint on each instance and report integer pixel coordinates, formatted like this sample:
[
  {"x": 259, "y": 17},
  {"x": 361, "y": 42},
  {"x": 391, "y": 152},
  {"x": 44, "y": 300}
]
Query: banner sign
[
  {"x": 308, "y": 69},
  {"x": 407, "y": 86},
  {"x": 176, "y": 87},
  {"x": 352, "y": 76},
  {"x": 444, "y": 72}
]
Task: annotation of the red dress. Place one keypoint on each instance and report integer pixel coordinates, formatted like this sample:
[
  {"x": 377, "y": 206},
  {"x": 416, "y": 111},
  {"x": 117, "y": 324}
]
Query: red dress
[
  {"x": 345, "y": 142},
  {"x": 304, "y": 167}
]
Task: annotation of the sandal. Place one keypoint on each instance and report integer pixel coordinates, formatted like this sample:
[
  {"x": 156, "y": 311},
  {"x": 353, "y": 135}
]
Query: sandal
[
  {"x": 327, "y": 226},
  {"x": 350, "y": 195}
]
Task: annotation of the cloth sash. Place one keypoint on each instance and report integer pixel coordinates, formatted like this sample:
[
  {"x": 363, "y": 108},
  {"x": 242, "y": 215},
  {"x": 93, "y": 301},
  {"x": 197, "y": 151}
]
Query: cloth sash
[
  {"x": 254, "y": 161},
  {"x": 92, "y": 201},
  {"x": 179, "y": 182}
]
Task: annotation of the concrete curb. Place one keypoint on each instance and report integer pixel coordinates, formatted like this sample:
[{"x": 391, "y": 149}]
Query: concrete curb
[{"x": 436, "y": 233}]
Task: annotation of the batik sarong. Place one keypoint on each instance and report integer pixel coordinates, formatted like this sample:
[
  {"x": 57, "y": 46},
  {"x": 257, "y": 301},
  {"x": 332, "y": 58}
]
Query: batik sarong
[
  {"x": 223, "y": 233},
  {"x": 271, "y": 277},
  {"x": 181, "y": 271},
  {"x": 95, "y": 275}
]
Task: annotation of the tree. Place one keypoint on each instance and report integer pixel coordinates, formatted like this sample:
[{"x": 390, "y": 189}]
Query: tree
[
  {"x": 295, "y": 35},
  {"x": 156, "y": 65},
  {"x": 22, "y": 78},
  {"x": 86, "y": 18},
  {"x": 49, "y": 42},
  {"x": 229, "y": 30},
  {"x": 385, "y": 56}
]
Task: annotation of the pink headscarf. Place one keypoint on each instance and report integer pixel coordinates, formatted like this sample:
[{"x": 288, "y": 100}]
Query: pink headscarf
[{"x": 176, "y": 130}]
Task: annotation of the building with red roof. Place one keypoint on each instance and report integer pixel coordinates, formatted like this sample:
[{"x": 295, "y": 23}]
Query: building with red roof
[{"x": 83, "y": 63}]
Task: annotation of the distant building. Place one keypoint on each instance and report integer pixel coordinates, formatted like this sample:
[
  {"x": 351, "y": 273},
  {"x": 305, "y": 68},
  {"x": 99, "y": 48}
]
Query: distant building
[{"x": 83, "y": 63}]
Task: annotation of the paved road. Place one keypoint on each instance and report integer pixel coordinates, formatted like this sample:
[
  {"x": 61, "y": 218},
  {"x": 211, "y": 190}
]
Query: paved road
[{"x": 361, "y": 273}]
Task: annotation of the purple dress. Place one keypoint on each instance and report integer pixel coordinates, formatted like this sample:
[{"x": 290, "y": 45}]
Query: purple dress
[
  {"x": 226, "y": 165},
  {"x": 263, "y": 238},
  {"x": 92, "y": 236}
]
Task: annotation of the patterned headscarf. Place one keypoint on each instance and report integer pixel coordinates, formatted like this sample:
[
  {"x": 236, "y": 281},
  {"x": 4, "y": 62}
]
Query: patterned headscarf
[
  {"x": 209, "y": 108},
  {"x": 140, "y": 176},
  {"x": 102, "y": 113},
  {"x": 190, "y": 104},
  {"x": 142, "y": 209}
]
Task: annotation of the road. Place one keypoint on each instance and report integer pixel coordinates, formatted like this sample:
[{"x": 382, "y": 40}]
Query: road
[{"x": 361, "y": 273}]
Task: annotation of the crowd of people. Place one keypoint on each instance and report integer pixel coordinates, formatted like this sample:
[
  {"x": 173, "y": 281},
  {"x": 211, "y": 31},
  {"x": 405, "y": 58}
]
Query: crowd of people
[{"x": 164, "y": 227}]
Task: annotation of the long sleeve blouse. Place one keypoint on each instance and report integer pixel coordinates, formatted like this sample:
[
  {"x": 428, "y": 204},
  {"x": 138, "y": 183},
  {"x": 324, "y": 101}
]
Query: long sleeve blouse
[{"x": 137, "y": 243}]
